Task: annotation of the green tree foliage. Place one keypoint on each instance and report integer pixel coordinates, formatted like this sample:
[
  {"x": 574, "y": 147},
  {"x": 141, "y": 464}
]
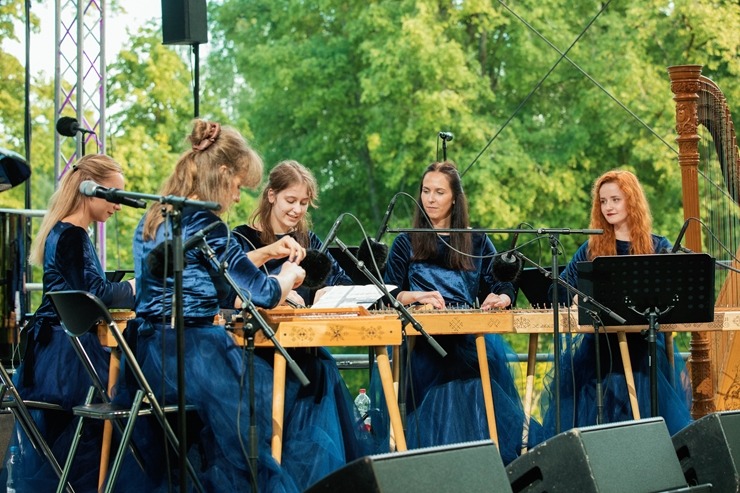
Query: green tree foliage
[{"x": 358, "y": 92}]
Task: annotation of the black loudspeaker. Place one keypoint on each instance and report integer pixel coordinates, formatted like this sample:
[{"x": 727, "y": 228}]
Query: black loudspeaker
[
  {"x": 632, "y": 456},
  {"x": 471, "y": 467},
  {"x": 184, "y": 22},
  {"x": 709, "y": 451}
]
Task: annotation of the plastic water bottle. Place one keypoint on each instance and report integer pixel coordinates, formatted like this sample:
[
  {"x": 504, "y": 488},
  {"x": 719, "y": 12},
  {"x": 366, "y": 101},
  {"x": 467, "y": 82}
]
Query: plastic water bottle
[
  {"x": 362, "y": 403},
  {"x": 12, "y": 466}
]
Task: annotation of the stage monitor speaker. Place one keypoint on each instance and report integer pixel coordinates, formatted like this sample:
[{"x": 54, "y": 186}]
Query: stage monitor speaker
[
  {"x": 184, "y": 22},
  {"x": 634, "y": 456},
  {"x": 709, "y": 451},
  {"x": 471, "y": 467}
]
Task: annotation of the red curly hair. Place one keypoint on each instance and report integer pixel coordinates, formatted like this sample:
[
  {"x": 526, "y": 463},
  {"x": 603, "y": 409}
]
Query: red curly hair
[{"x": 639, "y": 219}]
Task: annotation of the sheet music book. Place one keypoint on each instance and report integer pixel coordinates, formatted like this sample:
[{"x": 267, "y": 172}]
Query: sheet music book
[{"x": 349, "y": 296}]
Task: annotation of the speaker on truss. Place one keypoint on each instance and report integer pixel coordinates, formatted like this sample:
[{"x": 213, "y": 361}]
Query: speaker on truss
[
  {"x": 709, "y": 451},
  {"x": 634, "y": 456},
  {"x": 473, "y": 467},
  {"x": 184, "y": 22}
]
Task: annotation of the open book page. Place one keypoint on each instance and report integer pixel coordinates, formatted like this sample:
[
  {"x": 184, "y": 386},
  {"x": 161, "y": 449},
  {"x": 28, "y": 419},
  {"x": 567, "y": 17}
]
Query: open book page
[{"x": 349, "y": 296}]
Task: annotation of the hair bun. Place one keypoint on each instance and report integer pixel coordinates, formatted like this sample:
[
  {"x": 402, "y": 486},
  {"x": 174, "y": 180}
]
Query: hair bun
[{"x": 214, "y": 130}]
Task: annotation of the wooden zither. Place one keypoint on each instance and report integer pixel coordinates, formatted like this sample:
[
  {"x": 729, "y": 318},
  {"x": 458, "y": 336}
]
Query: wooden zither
[{"x": 710, "y": 181}]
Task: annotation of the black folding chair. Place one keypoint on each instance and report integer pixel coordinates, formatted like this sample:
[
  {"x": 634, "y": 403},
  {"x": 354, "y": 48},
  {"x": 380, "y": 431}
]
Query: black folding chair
[
  {"x": 79, "y": 312},
  {"x": 11, "y": 401}
]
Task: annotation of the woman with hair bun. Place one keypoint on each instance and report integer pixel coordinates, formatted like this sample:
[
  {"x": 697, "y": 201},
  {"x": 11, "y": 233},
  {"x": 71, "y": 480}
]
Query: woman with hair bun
[{"x": 217, "y": 163}]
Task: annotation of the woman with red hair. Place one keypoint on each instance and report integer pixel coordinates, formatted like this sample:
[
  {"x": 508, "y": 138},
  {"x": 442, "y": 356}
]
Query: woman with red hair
[{"x": 619, "y": 207}]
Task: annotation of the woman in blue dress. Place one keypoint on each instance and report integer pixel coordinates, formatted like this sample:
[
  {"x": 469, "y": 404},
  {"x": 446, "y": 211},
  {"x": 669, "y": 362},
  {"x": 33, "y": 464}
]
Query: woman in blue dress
[
  {"x": 444, "y": 399},
  {"x": 218, "y": 163},
  {"x": 51, "y": 370},
  {"x": 320, "y": 432},
  {"x": 281, "y": 220},
  {"x": 620, "y": 208}
]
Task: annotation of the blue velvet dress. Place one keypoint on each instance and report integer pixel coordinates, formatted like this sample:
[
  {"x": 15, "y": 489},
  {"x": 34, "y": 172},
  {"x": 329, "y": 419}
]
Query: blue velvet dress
[
  {"x": 215, "y": 367},
  {"x": 444, "y": 399},
  {"x": 51, "y": 370},
  {"x": 578, "y": 371},
  {"x": 321, "y": 431}
]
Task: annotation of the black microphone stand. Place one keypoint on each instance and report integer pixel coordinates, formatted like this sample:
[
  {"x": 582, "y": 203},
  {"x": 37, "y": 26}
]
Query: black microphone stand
[
  {"x": 250, "y": 329},
  {"x": 178, "y": 261},
  {"x": 404, "y": 315},
  {"x": 653, "y": 314},
  {"x": 445, "y": 136},
  {"x": 596, "y": 322},
  {"x": 483, "y": 230},
  {"x": 554, "y": 237}
]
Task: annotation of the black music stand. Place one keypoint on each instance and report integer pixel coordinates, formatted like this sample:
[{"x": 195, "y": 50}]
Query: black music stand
[{"x": 654, "y": 288}]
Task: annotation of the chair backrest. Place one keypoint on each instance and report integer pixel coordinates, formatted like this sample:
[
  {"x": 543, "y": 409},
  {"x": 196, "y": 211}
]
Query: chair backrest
[{"x": 79, "y": 311}]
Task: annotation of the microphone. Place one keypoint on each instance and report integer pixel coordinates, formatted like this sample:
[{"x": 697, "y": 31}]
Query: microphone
[
  {"x": 509, "y": 257},
  {"x": 332, "y": 234},
  {"x": 386, "y": 218},
  {"x": 446, "y": 136},
  {"x": 69, "y": 127},
  {"x": 89, "y": 188},
  {"x": 370, "y": 249},
  {"x": 507, "y": 267},
  {"x": 677, "y": 245},
  {"x": 155, "y": 259},
  {"x": 200, "y": 236},
  {"x": 317, "y": 266}
]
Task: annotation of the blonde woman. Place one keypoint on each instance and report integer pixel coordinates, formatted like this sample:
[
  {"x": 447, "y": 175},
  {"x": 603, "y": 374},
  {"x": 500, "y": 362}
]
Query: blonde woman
[{"x": 51, "y": 371}]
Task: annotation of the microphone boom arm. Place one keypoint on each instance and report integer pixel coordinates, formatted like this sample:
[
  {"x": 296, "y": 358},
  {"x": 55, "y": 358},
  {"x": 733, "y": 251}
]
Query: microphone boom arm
[
  {"x": 571, "y": 289},
  {"x": 406, "y": 316},
  {"x": 174, "y": 200}
]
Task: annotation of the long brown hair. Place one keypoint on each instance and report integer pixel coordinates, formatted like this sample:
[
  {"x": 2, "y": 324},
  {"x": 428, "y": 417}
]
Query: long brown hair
[
  {"x": 285, "y": 175},
  {"x": 198, "y": 172},
  {"x": 639, "y": 219},
  {"x": 67, "y": 198},
  {"x": 424, "y": 245}
]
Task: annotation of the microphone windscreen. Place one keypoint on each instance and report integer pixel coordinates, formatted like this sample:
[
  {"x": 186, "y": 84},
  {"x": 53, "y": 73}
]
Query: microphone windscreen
[
  {"x": 506, "y": 271},
  {"x": 88, "y": 188},
  {"x": 155, "y": 260},
  {"x": 317, "y": 266},
  {"x": 370, "y": 249},
  {"x": 67, "y": 126}
]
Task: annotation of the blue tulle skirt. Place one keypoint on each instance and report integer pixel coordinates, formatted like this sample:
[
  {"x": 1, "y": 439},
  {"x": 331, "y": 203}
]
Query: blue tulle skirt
[
  {"x": 444, "y": 398},
  {"x": 52, "y": 372},
  {"x": 322, "y": 430},
  {"x": 578, "y": 383},
  {"x": 216, "y": 384}
]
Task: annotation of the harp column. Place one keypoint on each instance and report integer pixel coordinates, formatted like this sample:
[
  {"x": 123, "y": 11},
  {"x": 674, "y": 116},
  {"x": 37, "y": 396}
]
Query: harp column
[{"x": 685, "y": 87}]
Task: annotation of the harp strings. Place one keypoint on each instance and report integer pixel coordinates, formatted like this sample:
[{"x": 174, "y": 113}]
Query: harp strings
[{"x": 720, "y": 182}]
